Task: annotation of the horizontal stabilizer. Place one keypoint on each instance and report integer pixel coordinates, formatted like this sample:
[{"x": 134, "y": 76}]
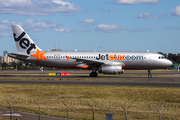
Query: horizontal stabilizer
[{"x": 18, "y": 56}]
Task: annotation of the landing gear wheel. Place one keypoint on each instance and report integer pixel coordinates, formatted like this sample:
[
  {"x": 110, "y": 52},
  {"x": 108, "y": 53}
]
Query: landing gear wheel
[
  {"x": 93, "y": 74},
  {"x": 149, "y": 76}
]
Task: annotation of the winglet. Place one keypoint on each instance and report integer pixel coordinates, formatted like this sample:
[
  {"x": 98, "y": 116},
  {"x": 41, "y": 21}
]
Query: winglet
[{"x": 68, "y": 57}]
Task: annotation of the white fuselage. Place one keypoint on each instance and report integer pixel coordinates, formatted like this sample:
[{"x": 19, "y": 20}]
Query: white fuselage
[{"x": 129, "y": 60}]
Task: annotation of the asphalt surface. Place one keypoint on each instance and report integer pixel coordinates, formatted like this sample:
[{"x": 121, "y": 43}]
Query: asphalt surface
[
  {"x": 166, "y": 78},
  {"x": 86, "y": 71},
  {"x": 26, "y": 116},
  {"x": 138, "y": 81}
]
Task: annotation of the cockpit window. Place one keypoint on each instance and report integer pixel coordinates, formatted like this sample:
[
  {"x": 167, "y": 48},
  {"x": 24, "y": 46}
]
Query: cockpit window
[{"x": 162, "y": 57}]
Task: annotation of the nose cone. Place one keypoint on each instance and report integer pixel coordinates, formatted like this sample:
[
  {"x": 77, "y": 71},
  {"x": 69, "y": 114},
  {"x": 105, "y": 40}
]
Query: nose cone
[{"x": 169, "y": 63}]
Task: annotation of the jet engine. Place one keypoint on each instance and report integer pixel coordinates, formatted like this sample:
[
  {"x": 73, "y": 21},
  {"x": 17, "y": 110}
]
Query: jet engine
[{"x": 111, "y": 69}]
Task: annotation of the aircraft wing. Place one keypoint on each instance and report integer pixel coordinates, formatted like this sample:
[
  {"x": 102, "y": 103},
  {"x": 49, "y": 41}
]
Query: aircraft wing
[
  {"x": 97, "y": 62},
  {"x": 88, "y": 62}
]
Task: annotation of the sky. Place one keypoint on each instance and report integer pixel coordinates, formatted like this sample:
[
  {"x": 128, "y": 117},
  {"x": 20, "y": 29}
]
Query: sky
[{"x": 98, "y": 25}]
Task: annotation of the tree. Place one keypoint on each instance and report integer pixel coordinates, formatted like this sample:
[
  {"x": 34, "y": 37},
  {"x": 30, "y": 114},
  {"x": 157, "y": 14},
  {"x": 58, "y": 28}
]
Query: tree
[{"x": 4, "y": 65}]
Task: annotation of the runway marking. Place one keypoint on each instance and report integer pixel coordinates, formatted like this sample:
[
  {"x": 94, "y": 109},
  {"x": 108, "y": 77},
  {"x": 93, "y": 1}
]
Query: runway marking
[
  {"x": 14, "y": 115},
  {"x": 172, "y": 80},
  {"x": 148, "y": 80}
]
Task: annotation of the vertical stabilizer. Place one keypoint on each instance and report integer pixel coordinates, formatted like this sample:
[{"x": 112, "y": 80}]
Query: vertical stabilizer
[{"x": 23, "y": 42}]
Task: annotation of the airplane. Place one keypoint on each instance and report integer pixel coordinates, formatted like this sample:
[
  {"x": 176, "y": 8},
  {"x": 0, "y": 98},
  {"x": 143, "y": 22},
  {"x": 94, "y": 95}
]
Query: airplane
[{"x": 98, "y": 62}]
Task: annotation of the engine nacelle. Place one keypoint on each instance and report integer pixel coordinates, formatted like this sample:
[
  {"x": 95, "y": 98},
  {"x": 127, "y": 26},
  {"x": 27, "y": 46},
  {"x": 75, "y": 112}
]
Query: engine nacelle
[{"x": 111, "y": 69}]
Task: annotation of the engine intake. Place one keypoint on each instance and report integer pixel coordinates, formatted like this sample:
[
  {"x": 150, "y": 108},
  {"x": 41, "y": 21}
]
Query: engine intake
[{"x": 111, "y": 70}]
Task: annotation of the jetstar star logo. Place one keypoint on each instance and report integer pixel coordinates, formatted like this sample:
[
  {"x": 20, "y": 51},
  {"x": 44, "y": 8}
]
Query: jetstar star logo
[
  {"x": 39, "y": 55},
  {"x": 68, "y": 57}
]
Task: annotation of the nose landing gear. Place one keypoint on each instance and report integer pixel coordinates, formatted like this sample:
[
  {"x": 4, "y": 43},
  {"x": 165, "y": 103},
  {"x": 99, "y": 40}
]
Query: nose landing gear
[{"x": 149, "y": 73}]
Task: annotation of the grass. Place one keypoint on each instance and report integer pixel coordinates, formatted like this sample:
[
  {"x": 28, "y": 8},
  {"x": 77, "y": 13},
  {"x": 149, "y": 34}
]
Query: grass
[
  {"x": 117, "y": 93},
  {"x": 120, "y": 93}
]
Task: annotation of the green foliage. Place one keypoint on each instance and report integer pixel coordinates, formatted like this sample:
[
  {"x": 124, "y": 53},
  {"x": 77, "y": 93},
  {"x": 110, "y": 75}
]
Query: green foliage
[{"x": 21, "y": 66}]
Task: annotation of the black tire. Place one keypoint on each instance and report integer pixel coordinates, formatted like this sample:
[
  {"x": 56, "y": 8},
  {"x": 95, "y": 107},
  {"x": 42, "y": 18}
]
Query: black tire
[{"x": 93, "y": 74}]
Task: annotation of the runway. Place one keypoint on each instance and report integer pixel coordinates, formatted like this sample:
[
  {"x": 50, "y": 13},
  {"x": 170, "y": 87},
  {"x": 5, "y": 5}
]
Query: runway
[
  {"x": 91, "y": 83},
  {"x": 27, "y": 116},
  {"x": 87, "y": 71},
  {"x": 166, "y": 79}
]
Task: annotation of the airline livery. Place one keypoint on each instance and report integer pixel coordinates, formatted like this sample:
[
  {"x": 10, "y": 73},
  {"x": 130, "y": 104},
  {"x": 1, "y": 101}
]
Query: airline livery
[{"x": 98, "y": 62}]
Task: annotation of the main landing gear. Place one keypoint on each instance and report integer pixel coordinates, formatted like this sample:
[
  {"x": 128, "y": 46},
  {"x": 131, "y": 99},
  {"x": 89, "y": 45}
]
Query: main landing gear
[
  {"x": 149, "y": 73},
  {"x": 94, "y": 72}
]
